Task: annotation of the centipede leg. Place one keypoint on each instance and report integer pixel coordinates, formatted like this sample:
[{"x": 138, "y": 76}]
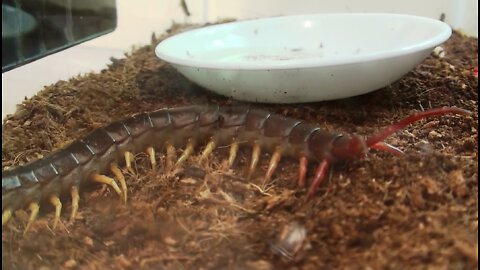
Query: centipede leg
[
  {"x": 6, "y": 215},
  {"x": 272, "y": 166},
  {"x": 103, "y": 179},
  {"x": 255, "y": 157},
  {"x": 208, "y": 149},
  {"x": 319, "y": 176},
  {"x": 128, "y": 161},
  {"x": 170, "y": 155},
  {"x": 34, "y": 208},
  {"x": 233, "y": 152},
  {"x": 302, "y": 171},
  {"x": 55, "y": 201},
  {"x": 188, "y": 151},
  {"x": 75, "y": 202},
  {"x": 121, "y": 178},
  {"x": 151, "y": 155}
]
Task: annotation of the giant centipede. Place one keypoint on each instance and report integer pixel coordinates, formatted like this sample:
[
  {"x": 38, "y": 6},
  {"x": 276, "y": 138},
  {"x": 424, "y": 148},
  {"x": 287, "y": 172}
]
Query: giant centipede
[{"x": 98, "y": 157}]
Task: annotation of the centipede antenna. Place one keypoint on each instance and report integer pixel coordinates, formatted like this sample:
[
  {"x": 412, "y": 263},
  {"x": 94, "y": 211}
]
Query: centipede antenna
[
  {"x": 389, "y": 130},
  {"x": 128, "y": 161},
  {"x": 6, "y": 215},
  {"x": 233, "y": 152},
  {"x": 34, "y": 208},
  {"x": 151, "y": 155},
  {"x": 256, "y": 150},
  {"x": 272, "y": 166},
  {"x": 319, "y": 176},
  {"x": 302, "y": 170},
  {"x": 186, "y": 153},
  {"x": 103, "y": 179},
  {"x": 55, "y": 201},
  {"x": 121, "y": 178},
  {"x": 75, "y": 202}
]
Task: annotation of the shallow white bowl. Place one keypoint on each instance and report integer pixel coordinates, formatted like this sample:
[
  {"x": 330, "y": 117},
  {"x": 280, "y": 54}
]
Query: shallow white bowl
[{"x": 303, "y": 58}]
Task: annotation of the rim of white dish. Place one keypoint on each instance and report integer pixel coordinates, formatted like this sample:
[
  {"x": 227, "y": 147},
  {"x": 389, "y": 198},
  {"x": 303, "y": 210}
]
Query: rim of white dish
[{"x": 442, "y": 36}]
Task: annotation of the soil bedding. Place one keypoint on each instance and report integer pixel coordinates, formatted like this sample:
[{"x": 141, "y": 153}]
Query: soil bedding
[{"x": 418, "y": 211}]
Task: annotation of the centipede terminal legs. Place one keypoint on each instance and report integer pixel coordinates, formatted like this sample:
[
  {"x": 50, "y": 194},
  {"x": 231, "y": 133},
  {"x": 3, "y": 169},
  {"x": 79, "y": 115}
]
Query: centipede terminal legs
[{"x": 381, "y": 135}]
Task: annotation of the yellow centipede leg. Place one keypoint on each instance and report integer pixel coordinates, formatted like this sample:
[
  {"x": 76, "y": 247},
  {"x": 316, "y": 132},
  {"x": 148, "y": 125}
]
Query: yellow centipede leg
[
  {"x": 109, "y": 181},
  {"x": 55, "y": 201},
  {"x": 208, "y": 150},
  {"x": 188, "y": 151},
  {"x": 6, "y": 215},
  {"x": 34, "y": 208},
  {"x": 255, "y": 157},
  {"x": 151, "y": 155},
  {"x": 170, "y": 155},
  {"x": 233, "y": 152},
  {"x": 128, "y": 161},
  {"x": 119, "y": 175},
  {"x": 75, "y": 202},
  {"x": 276, "y": 156}
]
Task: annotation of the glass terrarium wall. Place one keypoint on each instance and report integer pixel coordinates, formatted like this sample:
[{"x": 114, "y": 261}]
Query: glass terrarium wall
[{"x": 32, "y": 29}]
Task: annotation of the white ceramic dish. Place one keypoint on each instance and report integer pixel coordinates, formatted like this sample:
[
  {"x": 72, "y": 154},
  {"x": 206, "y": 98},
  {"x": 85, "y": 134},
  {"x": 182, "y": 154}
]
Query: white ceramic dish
[{"x": 303, "y": 58}]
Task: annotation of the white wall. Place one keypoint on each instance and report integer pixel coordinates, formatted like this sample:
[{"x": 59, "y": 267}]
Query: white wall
[{"x": 138, "y": 19}]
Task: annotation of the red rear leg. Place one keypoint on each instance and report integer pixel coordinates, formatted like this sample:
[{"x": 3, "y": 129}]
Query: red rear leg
[
  {"x": 319, "y": 176},
  {"x": 373, "y": 141}
]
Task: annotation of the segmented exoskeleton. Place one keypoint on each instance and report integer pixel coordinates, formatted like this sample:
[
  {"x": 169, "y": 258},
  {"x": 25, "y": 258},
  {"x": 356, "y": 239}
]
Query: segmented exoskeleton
[{"x": 100, "y": 153}]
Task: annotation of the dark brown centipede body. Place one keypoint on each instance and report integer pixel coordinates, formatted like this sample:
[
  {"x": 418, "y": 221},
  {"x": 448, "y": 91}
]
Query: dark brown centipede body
[{"x": 105, "y": 148}]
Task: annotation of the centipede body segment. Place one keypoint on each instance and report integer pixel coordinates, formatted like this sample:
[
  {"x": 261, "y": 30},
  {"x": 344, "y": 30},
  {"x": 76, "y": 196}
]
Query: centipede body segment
[{"x": 99, "y": 156}]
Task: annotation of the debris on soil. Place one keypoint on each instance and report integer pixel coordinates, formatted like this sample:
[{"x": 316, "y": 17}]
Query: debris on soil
[{"x": 411, "y": 212}]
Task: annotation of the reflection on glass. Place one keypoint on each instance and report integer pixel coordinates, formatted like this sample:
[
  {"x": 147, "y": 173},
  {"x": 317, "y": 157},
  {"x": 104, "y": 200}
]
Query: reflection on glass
[{"x": 32, "y": 29}]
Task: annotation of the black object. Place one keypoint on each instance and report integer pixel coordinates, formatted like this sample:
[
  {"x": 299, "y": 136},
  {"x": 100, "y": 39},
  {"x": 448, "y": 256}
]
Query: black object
[{"x": 32, "y": 29}]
